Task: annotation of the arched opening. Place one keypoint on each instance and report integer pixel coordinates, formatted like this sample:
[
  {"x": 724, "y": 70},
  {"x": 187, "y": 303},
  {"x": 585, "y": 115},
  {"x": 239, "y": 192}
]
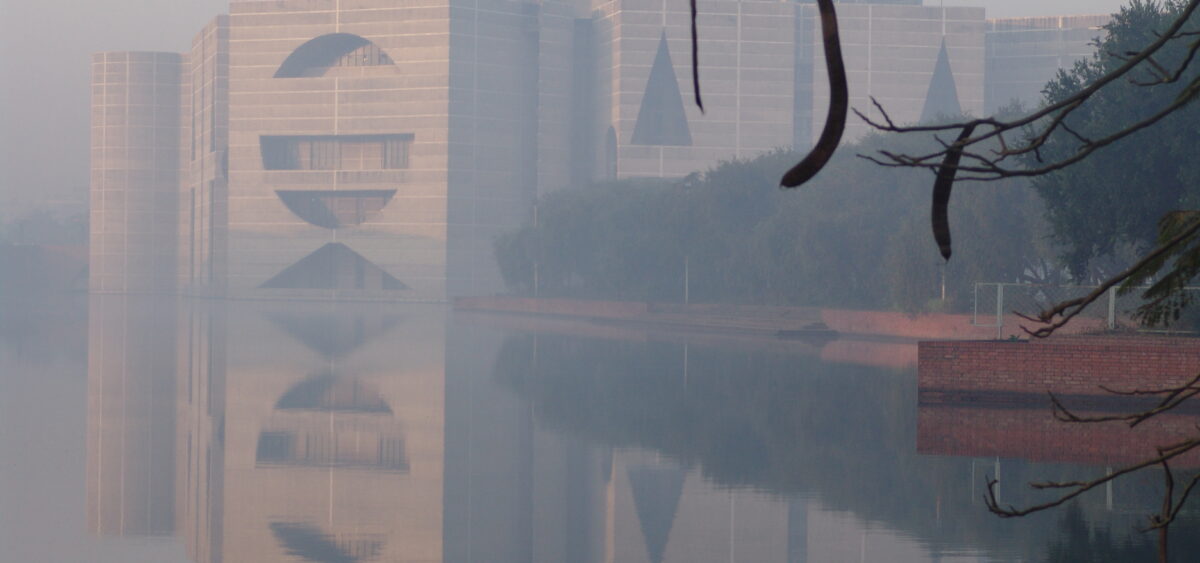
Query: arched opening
[{"x": 317, "y": 56}]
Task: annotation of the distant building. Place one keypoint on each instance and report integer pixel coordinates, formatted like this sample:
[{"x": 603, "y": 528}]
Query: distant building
[
  {"x": 1023, "y": 54},
  {"x": 134, "y": 171},
  {"x": 891, "y": 53},
  {"x": 317, "y": 149}
]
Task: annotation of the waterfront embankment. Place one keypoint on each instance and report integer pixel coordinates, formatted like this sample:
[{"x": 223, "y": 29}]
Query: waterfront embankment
[{"x": 767, "y": 320}]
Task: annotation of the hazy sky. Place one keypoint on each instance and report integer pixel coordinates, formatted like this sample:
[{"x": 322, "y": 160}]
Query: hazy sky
[{"x": 44, "y": 64}]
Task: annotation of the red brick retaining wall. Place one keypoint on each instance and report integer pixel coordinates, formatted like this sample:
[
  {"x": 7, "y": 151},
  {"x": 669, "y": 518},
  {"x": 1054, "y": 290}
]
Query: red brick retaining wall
[
  {"x": 1067, "y": 365},
  {"x": 1035, "y": 435}
]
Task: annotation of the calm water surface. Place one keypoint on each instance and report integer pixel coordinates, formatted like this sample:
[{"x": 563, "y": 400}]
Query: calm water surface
[{"x": 135, "y": 429}]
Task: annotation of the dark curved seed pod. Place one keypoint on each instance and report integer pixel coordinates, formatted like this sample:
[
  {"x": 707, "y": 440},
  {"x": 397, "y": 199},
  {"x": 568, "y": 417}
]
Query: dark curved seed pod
[
  {"x": 696, "y": 61},
  {"x": 942, "y": 186},
  {"x": 839, "y": 104}
]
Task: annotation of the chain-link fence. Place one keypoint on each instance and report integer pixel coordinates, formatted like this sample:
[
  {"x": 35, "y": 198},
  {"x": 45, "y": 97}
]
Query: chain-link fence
[{"x": 995, "y": 301}]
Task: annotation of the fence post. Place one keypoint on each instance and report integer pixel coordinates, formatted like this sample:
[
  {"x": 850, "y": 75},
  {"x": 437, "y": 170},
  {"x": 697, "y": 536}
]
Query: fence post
[
  {"x": 975, "y": 305},
  {"x": 999, "y": 311},
  {"x": 1112, "y": 308}
]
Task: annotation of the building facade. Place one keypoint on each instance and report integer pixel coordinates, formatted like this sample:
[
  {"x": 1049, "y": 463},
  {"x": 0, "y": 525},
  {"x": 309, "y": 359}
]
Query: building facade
[
  {"x": 374, "y": 149},
  {"x": 135, "y": 171},
  {"x": 1025, "y": 53},
  {"x": 891, "y": 53}
]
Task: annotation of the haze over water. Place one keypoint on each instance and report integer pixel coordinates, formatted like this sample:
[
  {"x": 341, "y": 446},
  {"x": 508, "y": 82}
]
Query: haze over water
[{"x": 136, "y": 429}]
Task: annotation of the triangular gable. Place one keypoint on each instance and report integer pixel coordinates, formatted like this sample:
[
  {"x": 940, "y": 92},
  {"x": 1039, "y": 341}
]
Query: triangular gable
[
  {"x": 334, "y": 266},
  {"x": 942, "y": 97},
  {"x": 661, "y": 120},
  {"x": 656, "y": 493}
]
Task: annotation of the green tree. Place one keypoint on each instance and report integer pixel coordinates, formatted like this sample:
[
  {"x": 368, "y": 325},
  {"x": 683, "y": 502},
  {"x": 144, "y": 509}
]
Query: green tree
[
  {"x": 1091, "y": 206},
  {"x": 1111, "y": 152},
  {"x": 745, "y": 241}
]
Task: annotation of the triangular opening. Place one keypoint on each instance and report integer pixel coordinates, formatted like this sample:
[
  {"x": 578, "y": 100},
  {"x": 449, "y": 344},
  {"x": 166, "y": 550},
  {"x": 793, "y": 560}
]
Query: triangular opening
[
  {"x": 334, "y": 266},
  {"x": 942, "y": 98},
  {"x": 334, "y": 335},
  {"x": 656, "y": 493},
  {"x": 661, "y": 120}
]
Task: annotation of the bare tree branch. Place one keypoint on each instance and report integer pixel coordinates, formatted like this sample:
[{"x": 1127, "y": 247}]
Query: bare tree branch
[
  {"x": 1170, "y": 507},
  {"x": 1046, "y": 121},
  {"x": 696, "y": 59}
]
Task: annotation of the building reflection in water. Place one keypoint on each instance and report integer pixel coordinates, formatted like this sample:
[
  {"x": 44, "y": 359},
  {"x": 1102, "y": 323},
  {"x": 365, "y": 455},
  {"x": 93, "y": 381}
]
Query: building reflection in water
[
  {"x": 131, "y": 446},
  {"x": 342, "y": 433},
  {"x": 292, "y": 432},
  {"x": 259, "y": 433}
]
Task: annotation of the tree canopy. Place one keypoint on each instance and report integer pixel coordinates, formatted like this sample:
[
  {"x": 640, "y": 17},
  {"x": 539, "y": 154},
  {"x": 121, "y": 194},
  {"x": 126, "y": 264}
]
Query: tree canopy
[
  {"x": 856, "y": 238},
  {"x": 1116, "y": 198}
]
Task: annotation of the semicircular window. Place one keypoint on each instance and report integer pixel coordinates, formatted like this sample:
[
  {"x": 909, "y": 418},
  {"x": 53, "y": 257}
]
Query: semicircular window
[
  {"x": 317, "y": 56},
  {"x": 336, "y": 208}
]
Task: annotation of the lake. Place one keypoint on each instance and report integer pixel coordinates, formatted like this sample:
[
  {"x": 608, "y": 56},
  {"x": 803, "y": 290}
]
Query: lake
[{"x": 154, "y": 429}]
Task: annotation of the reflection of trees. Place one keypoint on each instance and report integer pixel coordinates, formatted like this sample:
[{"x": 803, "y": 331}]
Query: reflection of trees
[
  {"x": 51, "y": 328},
  {"x": 1081, "y": 541},
  {"x": 784, "y": 424}
]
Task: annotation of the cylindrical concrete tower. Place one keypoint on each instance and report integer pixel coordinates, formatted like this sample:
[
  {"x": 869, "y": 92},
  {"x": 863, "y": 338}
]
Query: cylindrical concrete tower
[{"x": 135, "y": 171}]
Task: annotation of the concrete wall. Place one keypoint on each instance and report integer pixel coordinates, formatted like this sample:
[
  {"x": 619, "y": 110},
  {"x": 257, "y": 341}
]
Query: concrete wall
[
  {"x": 1023, "y": 54},
  {"x": 497, "y": 53},
  {"x": 204, "y": 158},
  {"x": 407, "y": 238},
  {"x": 134, "y": 171},
  {"x": 890, "y": 52},
  {"x": 746, "y": 77}
]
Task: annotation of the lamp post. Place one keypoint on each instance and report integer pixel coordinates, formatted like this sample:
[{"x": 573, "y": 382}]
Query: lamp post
[{"x": 686, "y": 281}]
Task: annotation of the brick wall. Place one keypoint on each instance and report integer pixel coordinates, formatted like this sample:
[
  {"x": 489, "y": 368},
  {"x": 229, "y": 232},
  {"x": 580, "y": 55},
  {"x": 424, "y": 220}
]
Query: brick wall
[
  {"x": 1034, "y": 434},
  {"x": 1066, "y": 365}
]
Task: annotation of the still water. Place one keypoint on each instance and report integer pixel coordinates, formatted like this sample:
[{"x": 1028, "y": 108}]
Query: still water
[{"x": 138, "y": 429}]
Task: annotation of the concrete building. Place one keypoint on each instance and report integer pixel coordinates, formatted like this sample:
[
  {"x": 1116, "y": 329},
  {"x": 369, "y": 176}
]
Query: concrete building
[
  {"x": 134, "y": 171},
  {"x": 891, "y": 52},
  {"x": 1025, "y": 53},
  {"x": 644, "y": 106},
  {"x": 372, "y": 149}
]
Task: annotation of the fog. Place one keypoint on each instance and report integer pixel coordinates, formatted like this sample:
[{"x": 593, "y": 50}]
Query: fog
[
  {"x": 400, "y": 294},
  {"x": 46, "y": 51},
  {"x": 208, "y": 431},
  {"x": 47, "y": 47}
]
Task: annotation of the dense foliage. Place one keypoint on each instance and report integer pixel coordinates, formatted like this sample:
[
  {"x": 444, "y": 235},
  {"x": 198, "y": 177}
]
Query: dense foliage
[
  {"x": 1110, "y": 203},
  {"x": 857, "y": 236}
]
